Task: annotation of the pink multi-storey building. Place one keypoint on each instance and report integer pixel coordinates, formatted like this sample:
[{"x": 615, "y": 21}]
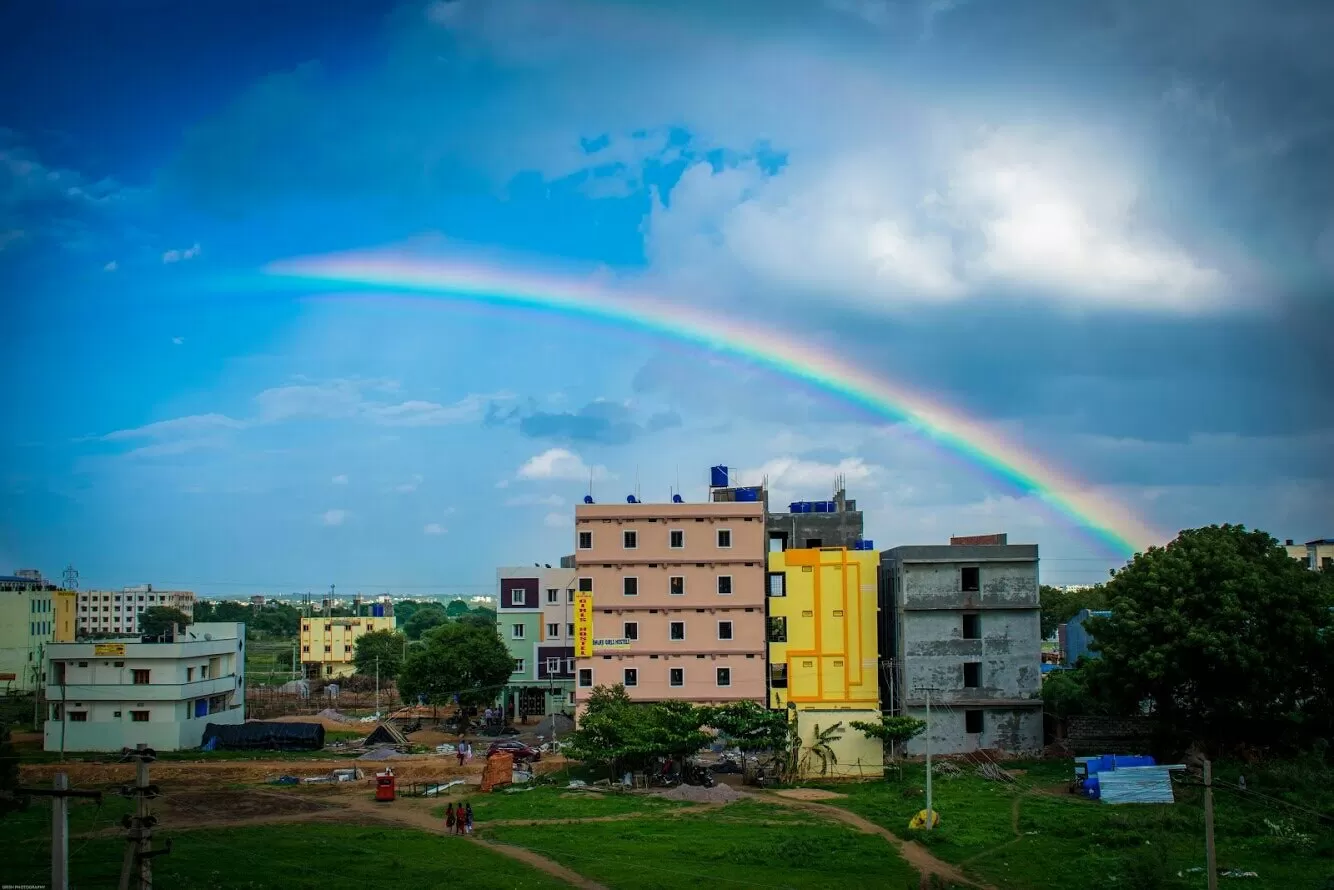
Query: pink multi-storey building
[{"x": 678, "y": 599}]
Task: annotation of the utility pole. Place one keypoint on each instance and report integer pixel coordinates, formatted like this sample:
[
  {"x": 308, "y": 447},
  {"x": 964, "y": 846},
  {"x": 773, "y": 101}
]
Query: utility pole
[
  {"x": 136, "y": 871},
  {"x": 927, "y": 736},
  {"x": 377, "y": 687},
  {"x": 59, "y": 792},
  {"x": 1211, "y": 862}
]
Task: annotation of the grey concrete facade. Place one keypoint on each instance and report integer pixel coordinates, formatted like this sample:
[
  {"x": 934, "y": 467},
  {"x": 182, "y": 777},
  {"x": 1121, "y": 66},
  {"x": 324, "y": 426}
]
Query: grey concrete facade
[{"x": 966, "y": 626}]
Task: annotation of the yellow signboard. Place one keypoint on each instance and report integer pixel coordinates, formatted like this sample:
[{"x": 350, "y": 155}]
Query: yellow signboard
[
  {"x": 109, "y": 649},
  {"x": 612, "y": 644},
  {"x": 583, "y": 625}
]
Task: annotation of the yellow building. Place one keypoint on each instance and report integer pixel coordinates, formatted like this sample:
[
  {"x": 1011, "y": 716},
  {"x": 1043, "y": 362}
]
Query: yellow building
[
  {"x": 65, "y": 625},
  {"x": 328, "y": 644},
  {"x": 28, "y": 622},
  {"x": 824, "y": 660}
]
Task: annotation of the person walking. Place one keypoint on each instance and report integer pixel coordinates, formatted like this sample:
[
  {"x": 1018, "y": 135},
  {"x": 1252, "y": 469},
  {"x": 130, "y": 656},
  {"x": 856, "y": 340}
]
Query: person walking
[
  {"x": 468, "y": 817},
  {"x": 449, "y": 818},
  {"x": 460, "y": 825},
  {"x": 459, "y": 751}
]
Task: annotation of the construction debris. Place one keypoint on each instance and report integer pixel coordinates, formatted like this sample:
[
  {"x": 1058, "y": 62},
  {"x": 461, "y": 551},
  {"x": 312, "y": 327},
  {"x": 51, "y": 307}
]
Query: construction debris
[{"x": 700, "y": 794}]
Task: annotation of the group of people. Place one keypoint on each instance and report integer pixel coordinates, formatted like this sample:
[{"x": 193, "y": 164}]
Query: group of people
[
  {"x": 458, "y": 821},
  {"x": 463, "y": 752}
]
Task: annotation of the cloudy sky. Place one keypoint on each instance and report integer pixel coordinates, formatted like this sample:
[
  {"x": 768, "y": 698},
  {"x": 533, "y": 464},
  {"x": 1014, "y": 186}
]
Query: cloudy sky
[{"x": 1102, "y": 230}]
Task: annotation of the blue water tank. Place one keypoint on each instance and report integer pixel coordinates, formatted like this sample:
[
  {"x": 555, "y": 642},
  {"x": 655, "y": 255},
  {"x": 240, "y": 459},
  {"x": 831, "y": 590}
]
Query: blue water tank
[
  {"x": 631, "y": 499},
  {"x": 794, "y": 507},
  {"x": 588, "y": 499},
  {"x": 718, "y": 477},
  {"x": 868, "y": 545},
  {"x": 377, "y": 610},
  {"x": 748, "y": 494},
  {"x": 676, "y": 499},
  {"x": 819, "y": 507}
]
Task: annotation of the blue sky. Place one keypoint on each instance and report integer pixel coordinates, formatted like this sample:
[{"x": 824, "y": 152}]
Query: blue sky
[{"x": 1103, "y": 228}]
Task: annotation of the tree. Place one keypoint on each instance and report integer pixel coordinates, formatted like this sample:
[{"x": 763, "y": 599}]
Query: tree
[
  {"x": 456, "y": 659},
  {"x": 424, "y": 619},
  {"x": 382, "y": 646},
  {"x": 890, "y": 730},
  {"x": 620, "y": 734},
  {"x": 754, "y": 730},
  {"x": 1059, "y": 606},
  {"x": 1224, "y": 636},
  {"x": 821, "y": 748},
  {"x": 1071, "y": 693},
  {"x": 457, "y": 608},
  {"x": 481, "y": 616},
  {"x": 157, "y": 620}
]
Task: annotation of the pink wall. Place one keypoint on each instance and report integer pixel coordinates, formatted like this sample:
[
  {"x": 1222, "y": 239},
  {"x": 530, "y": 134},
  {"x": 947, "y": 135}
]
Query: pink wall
[{"x": 699, "y": 562}]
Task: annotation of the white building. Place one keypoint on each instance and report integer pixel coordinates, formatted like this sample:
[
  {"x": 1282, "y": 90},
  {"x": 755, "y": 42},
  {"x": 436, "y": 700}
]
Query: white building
[
  {"x": 117, "y": 612},
  {"x": 112, "y": 694}
]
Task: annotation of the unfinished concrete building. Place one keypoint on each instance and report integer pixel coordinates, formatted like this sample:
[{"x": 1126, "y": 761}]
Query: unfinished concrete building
[
  {"x": 815, "y": 524},
  {"x": 963, "y": 626}
]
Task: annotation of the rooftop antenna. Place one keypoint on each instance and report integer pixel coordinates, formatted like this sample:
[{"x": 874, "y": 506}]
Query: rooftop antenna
[
  {"x": 71, "y": 577},
  {"x": 637, "y": 497}
]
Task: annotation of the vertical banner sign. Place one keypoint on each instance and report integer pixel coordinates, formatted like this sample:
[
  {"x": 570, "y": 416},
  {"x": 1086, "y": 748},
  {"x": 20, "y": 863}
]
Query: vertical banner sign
[{"x": 583, "y": 625}]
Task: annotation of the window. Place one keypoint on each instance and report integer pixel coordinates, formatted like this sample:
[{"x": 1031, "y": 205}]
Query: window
[
  {"x": 570, "y": 699},
  {"x": 813, "y": 543},
  {"x": 585, "y": 540},
  {"x": 724, "y": 676},
  {"x": 677, "y": 630},
  {"x": 676, "y": 677},
  {"x": 569, "y": 629},
  {"x": 631, "y": 677},
  {"x": 585, "y": 678},
  {"x": 724, "y": 538},
  {"x": 140, "y": 676},
  {"x": 553, "y": 595},
  {"x": 189, "y": 675},
  {"x": 631, "y": 630},
  {"x": 970, "y": 580},
  {"x": 631, "y": 540},
  {"x": 777, "y": 629},
  {"x": 725, "y": 584},
  {"x": 516, "y": 632},
  {"x": 777, "y": 584},
  {"x": 972, "y": 674},
  {"x": 972, "y": 721},
  {"x": 724, "y": 630},
  {"x": 777, "y": 543},
  {"x": 778, "y": 676},
  {"x": 676, "y": 585},
  {"x": 630, "y": 586},
  {"x": 553, "y": 630},
  {"x": 972, "y": 626},
  {"x": 519, "y": 665},
  {"x": 516, "y": 596},
  {"x": 553, "y": 665},
  {"x": 569, "y": 665},
  {"x": 305, "y": 648},
  {"x": 585, "y": 586},
  {"x": 78, "y": 716},
  {"x": 676, "y": 538},
  {"x": 139, "y": 716}
]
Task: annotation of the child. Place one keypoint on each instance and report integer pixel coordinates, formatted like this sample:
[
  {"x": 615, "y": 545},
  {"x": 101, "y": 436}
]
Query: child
[
  {"x": 449, "y": 818},
  {"x": 468, "y": 817},
  {"x": 461, "y": 825}
]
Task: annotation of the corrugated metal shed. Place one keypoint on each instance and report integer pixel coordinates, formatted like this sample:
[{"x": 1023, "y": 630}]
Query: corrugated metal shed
[{"x": 1138, "y": 784}]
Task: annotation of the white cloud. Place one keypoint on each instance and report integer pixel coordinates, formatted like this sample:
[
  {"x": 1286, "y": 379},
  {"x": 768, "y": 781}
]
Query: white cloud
[
  {"x": 340, "y": 479},
  {"x": 409, "y": 486},
  {"x": 558, "y": 463},
  {"x": 179, "y": 426},
  {"x": 790, "y": 476},
  {"x": 535, "y": 500},
  {"x": 944, "y": 218},
  {"x": 433, "y": 528},
  {"x": 558, "y": 520},
  {"x": 353, "y": 398},
  {"x": 503, "y": 483},
  {"x": 111, "y": 266},
  {"x": 333, "y": 517},
  {"x": 177, "y": 341},
  {"x": 180, "y": 256}
]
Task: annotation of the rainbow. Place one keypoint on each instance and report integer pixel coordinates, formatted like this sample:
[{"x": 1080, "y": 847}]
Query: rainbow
[{"x": 1109, "y": 522}]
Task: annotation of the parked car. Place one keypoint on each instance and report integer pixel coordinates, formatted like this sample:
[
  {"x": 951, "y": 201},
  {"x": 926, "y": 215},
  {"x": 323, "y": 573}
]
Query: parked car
[{"x": 515, "y": 747}]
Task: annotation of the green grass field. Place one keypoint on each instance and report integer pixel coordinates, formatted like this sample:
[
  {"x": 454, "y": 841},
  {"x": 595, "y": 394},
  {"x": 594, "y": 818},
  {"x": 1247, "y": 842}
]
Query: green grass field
[
  {"x": 281, "y": 857},
  {"x": 560, "y": 803},
  {"x": 1067, "y": 842}
]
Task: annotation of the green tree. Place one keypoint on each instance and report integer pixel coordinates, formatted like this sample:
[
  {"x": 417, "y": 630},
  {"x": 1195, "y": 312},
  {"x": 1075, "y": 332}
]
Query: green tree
[
  {"x": 274, "y": 620},
  {"x": 457, "y": 608},
  {"x": 424, "y": 619},
  {"x": 1224, "y": 636},
  {"x": 620, "y": 734},
  {"x": 157, "y": 620},
  {"x": 890, "y": 730},
  {"x": 821, "y": 748},
  {"x": 1073, "y": 693},
  {"x": 386, "y": 646},
  {"x": 1059, "y": 606},
  {"x": 456, "y": 658},
  {"x": 481, "y": 616}
]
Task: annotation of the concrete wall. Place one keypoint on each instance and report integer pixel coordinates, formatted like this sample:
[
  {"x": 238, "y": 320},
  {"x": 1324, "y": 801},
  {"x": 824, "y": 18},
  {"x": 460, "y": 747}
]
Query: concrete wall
[
  {"x": 857, "y": 756},
  {"x": 934, "y": 653},
  {"x": 1017, "y": 730},
  {"x": 830, "y": 529}
]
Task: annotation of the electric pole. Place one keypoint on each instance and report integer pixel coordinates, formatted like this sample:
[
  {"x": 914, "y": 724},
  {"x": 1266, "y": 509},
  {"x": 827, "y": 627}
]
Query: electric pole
[
  {"x": 59, "y": 792},
  {"x": 1211, "y": 862},
  {"x": 927, "y": 736},
  {"x": 377, "y": 687},
  {"x": 136, "y": 871}
]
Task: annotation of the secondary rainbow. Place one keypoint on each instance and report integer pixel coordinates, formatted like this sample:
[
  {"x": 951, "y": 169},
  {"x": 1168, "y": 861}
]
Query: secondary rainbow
[{"x": 1110, "y": 522}]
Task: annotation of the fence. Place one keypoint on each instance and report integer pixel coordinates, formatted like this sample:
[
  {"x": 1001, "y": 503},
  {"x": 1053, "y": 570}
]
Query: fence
[{"x": 263, "y": 702}]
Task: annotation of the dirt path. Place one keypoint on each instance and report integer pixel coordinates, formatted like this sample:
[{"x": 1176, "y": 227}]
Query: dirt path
[{"x": 914, "y": 854}]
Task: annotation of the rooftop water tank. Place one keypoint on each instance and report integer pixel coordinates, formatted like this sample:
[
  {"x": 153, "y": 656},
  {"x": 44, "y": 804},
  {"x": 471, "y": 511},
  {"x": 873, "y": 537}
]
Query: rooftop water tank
[
  {"x": 631, "y": 499},
  {"x": 588, "y": 499},
  {"x": 676, "y": 499},
  {"x": 718, "y": 477}
]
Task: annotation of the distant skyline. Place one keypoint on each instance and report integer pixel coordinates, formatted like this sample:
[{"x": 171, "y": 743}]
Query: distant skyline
[{"x": 1098, "y": 231}]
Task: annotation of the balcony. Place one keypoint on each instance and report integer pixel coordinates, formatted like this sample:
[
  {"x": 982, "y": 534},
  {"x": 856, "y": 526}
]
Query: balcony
[{"x": 144, "y": 692}]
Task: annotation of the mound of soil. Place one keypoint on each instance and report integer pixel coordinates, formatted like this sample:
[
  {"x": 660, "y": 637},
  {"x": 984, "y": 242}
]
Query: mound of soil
[{"x": 700, "y": 794}]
